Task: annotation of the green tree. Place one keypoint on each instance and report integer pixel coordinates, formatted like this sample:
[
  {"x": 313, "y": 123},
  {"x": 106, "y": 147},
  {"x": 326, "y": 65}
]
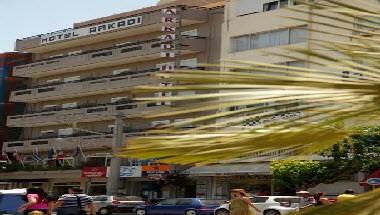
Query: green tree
[{"x": 293, "y": 175}]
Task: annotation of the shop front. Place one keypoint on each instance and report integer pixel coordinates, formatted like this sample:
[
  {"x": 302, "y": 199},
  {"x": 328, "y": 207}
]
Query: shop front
[{"x": 215, "y": 182}]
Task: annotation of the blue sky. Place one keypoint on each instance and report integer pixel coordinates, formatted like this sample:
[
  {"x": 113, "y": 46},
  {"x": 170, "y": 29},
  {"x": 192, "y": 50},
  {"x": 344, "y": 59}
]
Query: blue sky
[{"x": 24, "y": 18}]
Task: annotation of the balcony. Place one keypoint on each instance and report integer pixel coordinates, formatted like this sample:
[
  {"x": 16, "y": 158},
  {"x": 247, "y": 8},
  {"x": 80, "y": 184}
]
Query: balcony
[
  {"x": 84, "y": 87},
  {"x": 151, "y": 22},
  {"x": 86, "y": 141},
  {"x": 93, "y": 142},
  {"x": 79, "y": 114},
  {"x": 107, "y": 57}
]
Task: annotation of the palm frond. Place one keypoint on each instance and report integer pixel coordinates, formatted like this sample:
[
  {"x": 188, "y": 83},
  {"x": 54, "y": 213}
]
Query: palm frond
[{"x": 279, "y": 107}]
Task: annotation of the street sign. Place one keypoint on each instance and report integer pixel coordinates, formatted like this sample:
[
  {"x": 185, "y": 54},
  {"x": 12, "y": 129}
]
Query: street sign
[{"x": 373, "y": 181}]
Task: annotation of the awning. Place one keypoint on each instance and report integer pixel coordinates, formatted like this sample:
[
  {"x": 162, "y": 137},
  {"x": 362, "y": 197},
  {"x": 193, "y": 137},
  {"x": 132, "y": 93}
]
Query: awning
[
  {"x": 374, "y": 175},
  {"x": 230, "y": 169}
]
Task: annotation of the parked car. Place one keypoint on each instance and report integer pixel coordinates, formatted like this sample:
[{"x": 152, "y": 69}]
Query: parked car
[
  {"x": 11, "y": 200},
  {"x": 180, "y": 206},
  {"x": 269, "y": 205},
  {"x": 107, "y": 205}
]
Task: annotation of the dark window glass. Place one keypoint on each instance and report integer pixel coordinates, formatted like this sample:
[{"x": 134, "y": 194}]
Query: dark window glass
[
  {"x": 284, "y": 3},
  {"x": 131, "y": 49},
  {"x": 168, "y": 202},
  {"x": 46, "y": 89},
  {"x": 23, "y": 93},
  {"x": 102, "y": 54},
  {"x": 259, "y": 199},
  {"x": 184, "y": 202},
  {"x": 15, "y": 144},
  {"x": 270, "y": 6},
  {"x": 40, "y": 143}
]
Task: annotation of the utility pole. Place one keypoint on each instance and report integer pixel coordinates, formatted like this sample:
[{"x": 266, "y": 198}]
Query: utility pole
[{"x": 114, "y": 174}]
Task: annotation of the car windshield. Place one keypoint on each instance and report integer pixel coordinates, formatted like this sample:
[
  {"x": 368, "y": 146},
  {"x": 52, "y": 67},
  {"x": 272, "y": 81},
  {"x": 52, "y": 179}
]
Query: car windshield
[
  {"x": 9, "y": 203},
  {"x": 212, "y": 202}
]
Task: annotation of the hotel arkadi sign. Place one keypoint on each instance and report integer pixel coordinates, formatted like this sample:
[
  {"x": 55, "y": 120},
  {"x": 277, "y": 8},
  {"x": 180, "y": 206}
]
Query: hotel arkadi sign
[{"x": 91, "y": 30}]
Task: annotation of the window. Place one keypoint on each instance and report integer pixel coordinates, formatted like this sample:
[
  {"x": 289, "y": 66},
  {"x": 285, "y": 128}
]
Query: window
[
  {"x": 69, "y": 105},
  {"x": 102, "y": 54},
  {"x": 278, "y": 38},
  {"x": 259, "y": 41},
  {"x": 35, "y": 143},
  {"x": 240, "y": 43},
  {"x": 284, "y": 3},
  {"x": 99, "y": 198},
  {"x": 15, "y": 144},
  {"x": 245, "y": 7},
  {"x": 193, "y": 32},
  {"x": 168, "y": 202},
  {"x": 65, "y": 131},
  {"x": 269, "y": 39},
  {"x": 259, "y": 199},
  {"x": 57, "y": 80},
  {"x": 43, "y": 90},
  {"x": 186, "y": 202},
  {"x": 190, "y": 63},
  {"x": 120, "y": 71},
  {"x": 71, "y": 79},
  {"x": 298, "y": 35},
  {"x": 270, "y": 6}
]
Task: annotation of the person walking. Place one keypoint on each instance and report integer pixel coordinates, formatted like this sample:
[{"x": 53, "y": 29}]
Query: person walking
[
  {"x": 347, "y": 195},
  {"x": 241, "y": 204},
  {"x": 307, "y": 200},
  {"x": 74, "y": 203},
  {"x": 36, "y": 202}
]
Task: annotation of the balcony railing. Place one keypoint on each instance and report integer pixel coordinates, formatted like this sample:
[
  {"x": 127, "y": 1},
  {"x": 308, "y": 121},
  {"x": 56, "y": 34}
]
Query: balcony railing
[
  {"x": 116, "y": 55},
  {"x": 84, "y": 87},
  {"x": 86, "y": 141},
  {"x": 84, "y": 113}
]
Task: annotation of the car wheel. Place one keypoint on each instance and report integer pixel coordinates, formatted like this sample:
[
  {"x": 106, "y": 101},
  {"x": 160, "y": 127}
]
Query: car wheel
[
  {"x": 191, "y": 212},
  {"x": 103, "y": 211},
  {"x": 140, "y": 212},
  {"x": 272, "y": 212},
  {"x": 222, "y": 212}
]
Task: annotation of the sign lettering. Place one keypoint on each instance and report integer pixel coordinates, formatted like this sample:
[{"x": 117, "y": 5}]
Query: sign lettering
[{"x": 97, "y": 29}]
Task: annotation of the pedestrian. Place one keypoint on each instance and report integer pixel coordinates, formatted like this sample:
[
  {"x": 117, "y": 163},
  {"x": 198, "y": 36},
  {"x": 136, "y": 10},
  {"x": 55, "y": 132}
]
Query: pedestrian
[
  {"x": 307, "y": 200},
  {"x": 320, "y": 200},
  {"x": 241, "y": 204},
  {"x": 347, "y": 195},
  {"x": 36, "y": 202},
  {"x": 74, "y": 203}
]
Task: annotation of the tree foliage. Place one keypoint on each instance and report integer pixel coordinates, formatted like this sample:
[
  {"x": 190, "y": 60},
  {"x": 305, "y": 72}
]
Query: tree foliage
[
  {"x": 359, "y": 152},
  {"x": 292, "y": 175}
]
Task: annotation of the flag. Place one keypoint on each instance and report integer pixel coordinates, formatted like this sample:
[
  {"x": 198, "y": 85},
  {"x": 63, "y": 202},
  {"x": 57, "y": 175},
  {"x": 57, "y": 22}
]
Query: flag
[
  {"x": 77, "y": 151},
  {"x": 60, "y": 158},
  {"x": 51, "y": 154},
  {"x": 36, "y": 156},
  {"x": 19, "y": 157}
]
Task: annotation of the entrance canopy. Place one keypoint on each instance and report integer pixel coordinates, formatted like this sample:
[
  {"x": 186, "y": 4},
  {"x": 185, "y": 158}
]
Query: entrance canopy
[{"x": 230, "y": 169}]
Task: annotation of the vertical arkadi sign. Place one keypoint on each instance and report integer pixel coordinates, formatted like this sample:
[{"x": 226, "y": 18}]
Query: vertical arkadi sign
[
  {"x": 168, "y": 48},
  {"x": 169, "y": 22}
]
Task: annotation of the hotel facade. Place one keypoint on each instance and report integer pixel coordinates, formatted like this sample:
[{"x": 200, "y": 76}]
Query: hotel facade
[{"x": 80, "y": 78}]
